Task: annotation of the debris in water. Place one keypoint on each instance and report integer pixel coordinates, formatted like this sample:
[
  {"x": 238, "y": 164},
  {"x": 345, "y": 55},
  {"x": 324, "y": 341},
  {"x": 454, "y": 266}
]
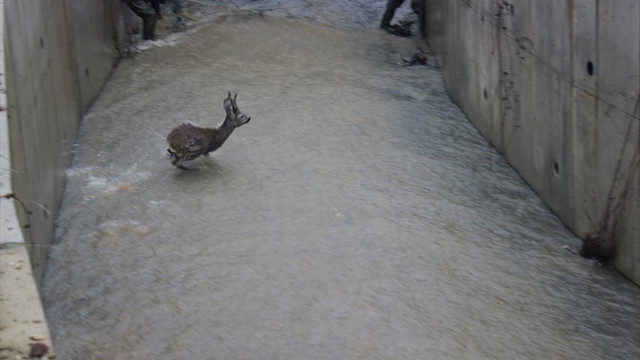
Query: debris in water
[
  {"x": 107, "y": 233},
  {"x": 37, "y": 337},
  {"x": 566, "y": 247},
  {"x": 597, "y": 246},
  {"x": 122, "y": 186},
  {"x": 402, "y": 29},
  {"x": 142, "y": 230},
  {"x": 399, "y": 31},
  {"x": 416, "y": 59},
  {"x": 187, "y": 15},
  {"x": 38, "y": 350}
]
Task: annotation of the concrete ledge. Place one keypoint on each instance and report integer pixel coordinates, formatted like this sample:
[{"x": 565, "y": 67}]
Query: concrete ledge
[{"x": 22, "y": 320}]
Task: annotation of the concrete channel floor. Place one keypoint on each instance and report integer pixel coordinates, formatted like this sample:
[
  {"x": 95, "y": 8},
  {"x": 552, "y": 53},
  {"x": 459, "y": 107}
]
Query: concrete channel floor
[{"x": 359, "y": 215}]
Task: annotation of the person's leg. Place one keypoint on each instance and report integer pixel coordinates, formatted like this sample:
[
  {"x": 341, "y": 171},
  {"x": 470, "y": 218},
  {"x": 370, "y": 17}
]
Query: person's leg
[
  {"x": 149, "y": 26},
  {"x": 148, "y": 15},
  {"x": 392, "y": 5}
]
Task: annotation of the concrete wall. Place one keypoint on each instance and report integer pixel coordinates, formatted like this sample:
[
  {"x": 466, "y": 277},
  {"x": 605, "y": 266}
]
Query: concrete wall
[
  {"x": 58, "y": 53},
  {"x": 21, "y": 313},
  {"x": 554, "y": 85}
]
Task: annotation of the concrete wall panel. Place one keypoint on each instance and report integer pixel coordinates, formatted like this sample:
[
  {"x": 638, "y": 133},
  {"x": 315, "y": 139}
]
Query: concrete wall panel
[
  {"x": 613, "y": 172},
  {"x": 617, "y": 73},
  {"x": 479, "y": 97},
  {"x": 562, "y": 81},
  {"x": 50, "y": 47},
  {"x": 95, "y": 41},
  {"x": 42, "y": 112},
  {"x": 584, "y": 45},
  {"x": 584, "y": 139},
  {"x": 618, "y": 53},
  {"x": 435, "y": 13}
]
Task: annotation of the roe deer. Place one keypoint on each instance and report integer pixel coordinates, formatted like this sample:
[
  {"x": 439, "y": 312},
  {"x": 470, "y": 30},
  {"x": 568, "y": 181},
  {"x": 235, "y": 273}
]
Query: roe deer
[{"x": 187, "y": 141}]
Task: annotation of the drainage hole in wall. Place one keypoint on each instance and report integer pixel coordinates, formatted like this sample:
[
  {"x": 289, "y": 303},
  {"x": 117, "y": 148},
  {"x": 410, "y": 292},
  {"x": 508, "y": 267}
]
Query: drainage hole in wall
[
  {"x": 556, "y": 168},
  {"x": 590, "y": 68},
  {"x": 86, "y": 72},
  {"x": 41, "y": 43},
  {"x": 485, "y": 93}
]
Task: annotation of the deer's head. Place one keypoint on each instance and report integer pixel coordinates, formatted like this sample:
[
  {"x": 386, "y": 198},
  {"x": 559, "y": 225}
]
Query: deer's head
[{"x": 234, "y": 116}]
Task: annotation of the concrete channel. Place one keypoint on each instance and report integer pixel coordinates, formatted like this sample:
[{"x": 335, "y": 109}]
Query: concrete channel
[{"x": 358, "y": 215}]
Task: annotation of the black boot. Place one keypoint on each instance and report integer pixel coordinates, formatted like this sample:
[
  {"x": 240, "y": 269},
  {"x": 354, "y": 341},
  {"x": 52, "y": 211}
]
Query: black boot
[
  {"x": 392, "y": 5},
  {"x": 148, "y": 15},
  {"x": 149, "y": 27},
  {"x": 386, "y": 20}
]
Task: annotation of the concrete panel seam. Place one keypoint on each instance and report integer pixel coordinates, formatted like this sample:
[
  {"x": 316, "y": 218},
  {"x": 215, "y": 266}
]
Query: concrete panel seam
[{"x": 522, "y": 39}]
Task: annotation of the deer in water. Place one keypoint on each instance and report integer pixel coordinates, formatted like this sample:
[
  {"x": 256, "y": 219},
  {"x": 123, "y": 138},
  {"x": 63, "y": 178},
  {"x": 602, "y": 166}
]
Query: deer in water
[{"x": 187, "y": 141}]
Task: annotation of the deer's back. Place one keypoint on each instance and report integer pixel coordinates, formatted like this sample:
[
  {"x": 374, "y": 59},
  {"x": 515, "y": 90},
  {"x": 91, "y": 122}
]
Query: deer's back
[{"x": 188, "y": 138}]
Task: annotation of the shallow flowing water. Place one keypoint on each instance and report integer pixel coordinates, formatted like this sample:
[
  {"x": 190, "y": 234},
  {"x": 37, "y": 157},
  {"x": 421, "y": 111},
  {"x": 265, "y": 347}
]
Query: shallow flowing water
[{"x": 359, "y": 215}]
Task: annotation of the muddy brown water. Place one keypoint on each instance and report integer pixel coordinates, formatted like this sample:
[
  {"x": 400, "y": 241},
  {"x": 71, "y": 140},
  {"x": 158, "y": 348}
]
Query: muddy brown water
[{"x": 359, "y": 215}]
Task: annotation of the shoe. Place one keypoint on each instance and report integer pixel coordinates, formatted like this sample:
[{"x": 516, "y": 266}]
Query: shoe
[{"x": 398, "y": 31}]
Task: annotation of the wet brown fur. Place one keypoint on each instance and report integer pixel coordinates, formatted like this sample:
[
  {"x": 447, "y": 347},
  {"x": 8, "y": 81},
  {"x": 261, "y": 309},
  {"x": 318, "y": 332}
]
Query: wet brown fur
[{"x": 188, "y": 141}]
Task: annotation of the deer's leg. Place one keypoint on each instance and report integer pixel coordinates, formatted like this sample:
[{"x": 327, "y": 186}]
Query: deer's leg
[{"x": 178, "y": 163}]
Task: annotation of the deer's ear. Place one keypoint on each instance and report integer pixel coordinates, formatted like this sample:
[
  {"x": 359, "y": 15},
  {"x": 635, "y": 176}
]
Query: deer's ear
[{"x": 228, "y": 105}]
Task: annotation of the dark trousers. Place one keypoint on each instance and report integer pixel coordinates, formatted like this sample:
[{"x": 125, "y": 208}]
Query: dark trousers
[
  {"x": 392, "y": 5},
  {"x": 143, "y": 9}
]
